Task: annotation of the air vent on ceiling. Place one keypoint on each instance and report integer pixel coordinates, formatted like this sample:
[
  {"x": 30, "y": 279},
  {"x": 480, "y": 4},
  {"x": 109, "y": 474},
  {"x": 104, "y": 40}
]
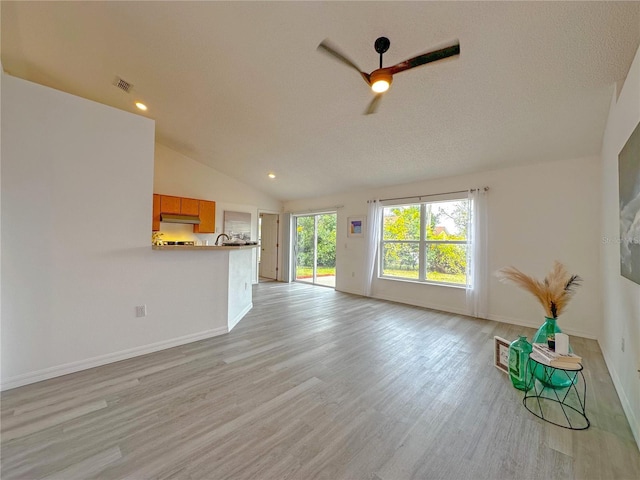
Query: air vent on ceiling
[{"x": 122, "y": 84}]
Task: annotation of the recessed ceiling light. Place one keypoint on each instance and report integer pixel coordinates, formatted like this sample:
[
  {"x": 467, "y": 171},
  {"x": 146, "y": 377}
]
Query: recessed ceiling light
[
  {"x": 272, "y": 175},
  {"x": 141, "y": 106}
]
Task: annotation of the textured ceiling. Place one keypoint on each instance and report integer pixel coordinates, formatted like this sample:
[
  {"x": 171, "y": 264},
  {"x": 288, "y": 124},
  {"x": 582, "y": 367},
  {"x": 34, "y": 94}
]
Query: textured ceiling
[{"x": 240, "y": 86}]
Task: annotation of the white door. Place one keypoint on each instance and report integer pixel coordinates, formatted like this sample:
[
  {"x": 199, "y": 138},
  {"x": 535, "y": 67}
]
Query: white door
[{"x": 269, "y": 246}]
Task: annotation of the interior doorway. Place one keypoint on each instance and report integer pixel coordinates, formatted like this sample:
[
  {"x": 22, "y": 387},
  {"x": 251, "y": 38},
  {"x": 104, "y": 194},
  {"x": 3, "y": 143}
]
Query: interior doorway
[
  {"x": 268, "y": 251},
  {"x": 315, "y": 249}
]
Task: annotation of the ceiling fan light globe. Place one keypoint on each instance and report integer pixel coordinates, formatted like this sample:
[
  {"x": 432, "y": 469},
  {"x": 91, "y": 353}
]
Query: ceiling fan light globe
[
  {"x": 380, "y": 81},
  {"x": 380, "y": 86}
]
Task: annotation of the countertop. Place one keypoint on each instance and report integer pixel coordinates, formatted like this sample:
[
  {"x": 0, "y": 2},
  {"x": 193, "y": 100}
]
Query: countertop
[{"x": 203, "y": 247}]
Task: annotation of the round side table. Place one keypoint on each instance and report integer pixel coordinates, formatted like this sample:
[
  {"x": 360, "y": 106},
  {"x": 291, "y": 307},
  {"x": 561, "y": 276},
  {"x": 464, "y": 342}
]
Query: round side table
[{"x": 564, "y": 407}]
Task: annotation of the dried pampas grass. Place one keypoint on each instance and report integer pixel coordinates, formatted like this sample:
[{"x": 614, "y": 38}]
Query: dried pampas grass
[{"x": 553, "y": 293}]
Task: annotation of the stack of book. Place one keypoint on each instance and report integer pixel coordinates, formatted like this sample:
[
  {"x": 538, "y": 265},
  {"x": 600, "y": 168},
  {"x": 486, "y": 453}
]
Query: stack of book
[{"x": 570, "y": 361}]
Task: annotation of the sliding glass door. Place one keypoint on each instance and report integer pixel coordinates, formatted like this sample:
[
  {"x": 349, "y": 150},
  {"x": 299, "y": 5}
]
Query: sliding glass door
[{"x": 315, "y": 249}]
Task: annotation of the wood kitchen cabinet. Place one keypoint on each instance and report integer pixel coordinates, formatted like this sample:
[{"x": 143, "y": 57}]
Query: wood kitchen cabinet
[
  {"x": 189, "y": 206},
  {"x": 179, "y": 205},
  {"x": 205, "y": 209},
  {"x": 207, "y": 217},
  {"x": 169, "y": 204},
  {"x": 155, "y": 224}
]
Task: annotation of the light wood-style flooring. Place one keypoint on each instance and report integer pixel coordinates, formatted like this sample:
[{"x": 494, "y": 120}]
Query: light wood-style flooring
[{"x": 314, "y": 384}]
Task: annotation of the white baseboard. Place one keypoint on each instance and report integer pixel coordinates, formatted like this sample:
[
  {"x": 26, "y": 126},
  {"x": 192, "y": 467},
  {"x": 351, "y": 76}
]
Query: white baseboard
[
  {"x": 432, "y": 306},
  {"x": 496, "y": 318},
  {"x": 536, "y": 325},
  {"x": 634, "y": 422},
  {"x": 233, "y": 322},
  {"x": 406, "y": 301},
  {"x": 352, "y": 292},
  {"x": 59, "y": 370}
]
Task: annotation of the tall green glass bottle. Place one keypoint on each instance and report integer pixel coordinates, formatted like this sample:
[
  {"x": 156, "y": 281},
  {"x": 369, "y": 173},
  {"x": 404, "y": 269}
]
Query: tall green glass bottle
[{"x": 519, "y": 351}]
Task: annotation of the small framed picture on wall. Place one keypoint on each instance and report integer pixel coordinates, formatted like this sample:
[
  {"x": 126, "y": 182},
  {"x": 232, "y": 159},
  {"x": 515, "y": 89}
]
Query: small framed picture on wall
[{"x": 356, "y": 226}]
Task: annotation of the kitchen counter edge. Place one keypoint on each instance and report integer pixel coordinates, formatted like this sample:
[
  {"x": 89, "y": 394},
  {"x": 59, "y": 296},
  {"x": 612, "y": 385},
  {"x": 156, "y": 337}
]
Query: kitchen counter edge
[{"x": 203, "y": 247}]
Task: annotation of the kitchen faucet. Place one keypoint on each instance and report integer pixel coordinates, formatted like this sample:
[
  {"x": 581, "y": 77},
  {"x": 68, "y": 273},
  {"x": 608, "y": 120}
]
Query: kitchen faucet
[{"x": 222, "y": 235}]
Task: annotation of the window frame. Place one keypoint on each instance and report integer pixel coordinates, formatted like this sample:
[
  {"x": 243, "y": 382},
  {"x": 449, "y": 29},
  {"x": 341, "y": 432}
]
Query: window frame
[{"x": 423, "y": 243}]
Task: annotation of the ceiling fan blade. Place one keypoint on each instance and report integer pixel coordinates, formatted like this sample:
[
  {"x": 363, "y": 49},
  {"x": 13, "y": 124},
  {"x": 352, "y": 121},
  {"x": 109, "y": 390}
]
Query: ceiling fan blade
[
  {"x": 326, "y": 47},
  {"x": 425, "y": 58},
  {"x": 373, "y": 106}
]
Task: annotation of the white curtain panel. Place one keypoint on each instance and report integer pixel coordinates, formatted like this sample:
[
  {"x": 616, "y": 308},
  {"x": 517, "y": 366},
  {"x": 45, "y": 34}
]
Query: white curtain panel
[
  {"x": 477, "y": 261},
  {"x": 373, "y": 242}
]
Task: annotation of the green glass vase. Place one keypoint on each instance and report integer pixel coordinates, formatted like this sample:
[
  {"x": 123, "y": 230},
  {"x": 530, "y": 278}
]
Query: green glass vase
[
  {"x": 519, "y": 351},
  {"x": 548, "y": 376}
]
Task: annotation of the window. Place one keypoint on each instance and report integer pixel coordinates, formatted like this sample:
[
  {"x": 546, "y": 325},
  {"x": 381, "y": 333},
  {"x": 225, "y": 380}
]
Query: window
[{"x": 426, "y": 242}]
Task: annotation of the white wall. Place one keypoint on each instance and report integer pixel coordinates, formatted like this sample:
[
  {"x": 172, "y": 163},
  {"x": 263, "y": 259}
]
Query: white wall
[
  {"x": 77, "y": 184},
  {"x": 537, "y": 214},
  {"x": 176, "y": 174},
  {"x": 621, "y": 312},
  {"x": 1, "y": 79}
]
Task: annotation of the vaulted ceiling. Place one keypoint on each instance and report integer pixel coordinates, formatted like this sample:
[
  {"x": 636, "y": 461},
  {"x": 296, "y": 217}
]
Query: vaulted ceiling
[{"x": 240, "y": 86}]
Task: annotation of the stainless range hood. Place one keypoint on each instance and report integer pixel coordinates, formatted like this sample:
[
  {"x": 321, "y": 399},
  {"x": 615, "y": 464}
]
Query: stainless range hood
[{"x": 175, "y": 218}]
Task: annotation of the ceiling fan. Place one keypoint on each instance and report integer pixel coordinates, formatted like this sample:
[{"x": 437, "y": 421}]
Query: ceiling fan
[{"x": 379, "y": 80}]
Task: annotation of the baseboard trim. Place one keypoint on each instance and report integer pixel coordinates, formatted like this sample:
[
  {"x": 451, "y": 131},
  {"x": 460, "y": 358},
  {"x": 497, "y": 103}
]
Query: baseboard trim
[
  {"x": 352, "y": 292},
  {"x": 634, "y": 422},
  {"x": 495, "y": 318},
  {"x": 440, "y": 308},
  {"x": 536, "y": 325},
  {"x": 65, "y": 369},
  {"x": 240, "y": 316}
]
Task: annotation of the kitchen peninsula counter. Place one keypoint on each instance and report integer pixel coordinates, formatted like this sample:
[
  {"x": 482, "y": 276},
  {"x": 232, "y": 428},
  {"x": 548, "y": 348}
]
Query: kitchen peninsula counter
[{"x": 225, "y": 271}]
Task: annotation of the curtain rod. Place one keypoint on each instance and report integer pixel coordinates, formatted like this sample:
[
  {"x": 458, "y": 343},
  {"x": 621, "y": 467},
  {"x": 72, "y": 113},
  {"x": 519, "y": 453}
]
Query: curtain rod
[
  {"x": 431, "y": 194},
  {"x": 316, "y": 210}
]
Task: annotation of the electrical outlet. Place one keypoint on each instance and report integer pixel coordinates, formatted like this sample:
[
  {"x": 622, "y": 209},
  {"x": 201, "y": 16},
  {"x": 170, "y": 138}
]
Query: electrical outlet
[
  {"x": 141, "y": 311},
  {"x": 622, "y": 344}
]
